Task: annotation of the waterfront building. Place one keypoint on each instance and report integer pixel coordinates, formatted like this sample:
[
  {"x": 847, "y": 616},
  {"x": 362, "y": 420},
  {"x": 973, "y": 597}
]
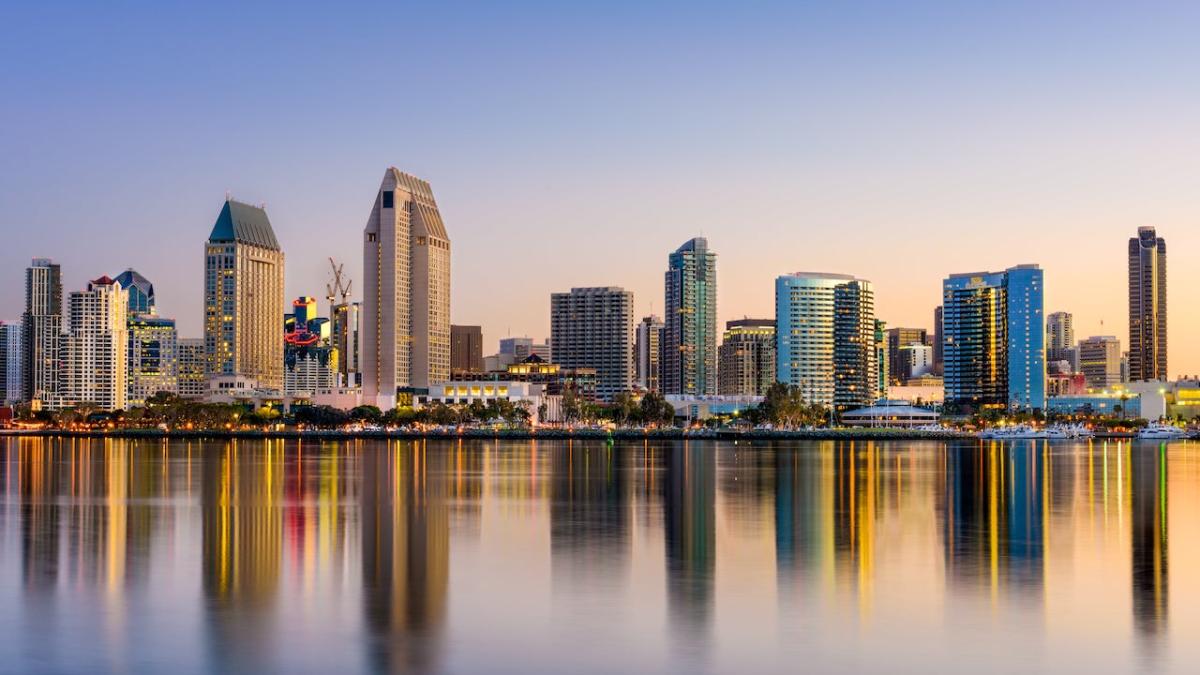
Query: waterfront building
[
  {"x": 243, "y": 296},
  {"x": 648, "y": 348},
  {"x": 897, "y": 338},
  {"x": 406, "y": 302},
  {"x": 938, "y": 358},
  {"x": 11, "y": 339},
  {"x": 140, "y": 290},
  {"x": 539, "y": 371},
  {"x": 345, "y": 338},
  {"x": 1107, "y": 403},
  {"x": 593, "y": 328},
  {"x": 96, "y": 347},
  {"x": 693, "y": 408},
  {"x": 191, "y": 368},
  {"x": 689, "y": 341},
  {"x": 1100, "y": 361},
  {"x": 1147, "y": 306},
  {"x": 890, "y": 414},
  {"x": 825, "y": 342},
  {"x": 1060, "y": 337},
  {"x": 882, "y": 358},
  {"x": 466, "y": 349},
  {"x": 42, "y": 325},
  {"x": 531, "y": 396},
  {"x": 994, "y": 345},
  {"x": 1066, "y": 384},
  {"x": 153, "y": 357},
  {"x": 747, "y": 358}
]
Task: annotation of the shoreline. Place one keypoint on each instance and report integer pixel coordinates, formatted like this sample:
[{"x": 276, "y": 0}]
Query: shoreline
[{"x": 520, "y": 434}]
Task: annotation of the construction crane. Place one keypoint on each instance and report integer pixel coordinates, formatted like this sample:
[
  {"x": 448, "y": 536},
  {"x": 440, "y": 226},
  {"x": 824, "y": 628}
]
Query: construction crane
[{"x": 339, "y": 287}]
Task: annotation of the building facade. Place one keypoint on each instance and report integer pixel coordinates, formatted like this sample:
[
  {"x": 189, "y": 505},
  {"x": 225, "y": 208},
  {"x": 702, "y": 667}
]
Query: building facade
[
  {"x": 140, "y": 290},
  {"x": 1147, "y": 306},
  {"x": 1100, "y": 361},
  {"x": 916, "y": 360},
  {"x": 994, "y": 344},
  {"x": 466, "y": 349},
  {"x": 1060, "y": 337},
  {"x": 96, "y": 347},
  {"x": 11, "y": 339},
  {"x": 689, "y": 342},
  {"x": 593, "y": 328},
  {"x": 243, "y": 297},
  {"x": 825, "y": 338},
  {"x": 882, "y": 358},
  {"x": 938, "y": 358},
  {"x": 153, "y": 357},
  {"x": 406, "y": 299},
  {"x": 42, "y": 331},
  {"x": 747, "y": 358},
  {"x": 346, "y": 318},
  {"x": 896, "y": 339},
  {"x": 191, "y": 368},
  {"x": 648, "y": 349}
]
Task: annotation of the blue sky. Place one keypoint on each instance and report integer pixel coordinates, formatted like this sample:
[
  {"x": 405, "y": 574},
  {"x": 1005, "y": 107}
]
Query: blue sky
[{"x": 576, "y": 144}]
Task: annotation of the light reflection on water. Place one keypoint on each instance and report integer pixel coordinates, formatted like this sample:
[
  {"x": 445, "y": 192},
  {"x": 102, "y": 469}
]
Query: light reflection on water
[{"x": 485, "y": 556}]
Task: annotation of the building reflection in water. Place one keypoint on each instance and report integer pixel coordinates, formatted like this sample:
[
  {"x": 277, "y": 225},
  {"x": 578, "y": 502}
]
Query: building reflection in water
[
  {"x": 589, "y": 515},
  {"x": 405, "y": 553},
  {"x": 1148, "y": 509},
  {"x": 689, "y": 493}
]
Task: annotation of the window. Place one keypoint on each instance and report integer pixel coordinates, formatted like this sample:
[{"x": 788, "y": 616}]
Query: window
[{"x": 389, "y": 199}]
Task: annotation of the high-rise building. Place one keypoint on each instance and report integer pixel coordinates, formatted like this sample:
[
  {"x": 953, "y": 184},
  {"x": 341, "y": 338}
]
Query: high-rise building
[
  {"x": 96, "y": 346},
  {"x": 140, "y": 290},
  {"x": 648, "y": 353},
  {"x": 466, "y": 349},
  {"x": 346, "y": 327},
  {"x": 938, "y": 358},
  {"x": 898, "y": 338},
  {"x": 1100, "y": 361},
  {"x": 825, "y": 338},
  {"x": 310, "y": 362},
  {"x": 1060, "y": 336},
  {"x": 747, "y": 357},
  {"x": 521, "y": 348},
  {"x": 42, "y": 328},
  {"x": 406, "y": 302},
  {"x": 153, "y": 357},
  {"x": 689, "y": 349},
  {"x": 916, "y": 360},
  {"x": 995, "y": 339},
  {"x": 593, "y": 328},
  {"x": 192, "y": 363},
  {"x": 883, "y": 359},
  {"x": 1147, "y": 306},
  {"x": 243, "y": 297},
  {"x": 11, "y": 339}
]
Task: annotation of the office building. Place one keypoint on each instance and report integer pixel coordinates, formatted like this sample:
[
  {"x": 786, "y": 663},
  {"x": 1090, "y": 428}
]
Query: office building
[
  {"x": 310, "y": 362},
  {"x": 466, "y": 349},
  {"x": 882, "y": 359},
  {"x": 689, "y": 342},
  {"x": 11, "y": 339},
  {"x": 191, "y": 368},
  {"x": 406, "y": 300},
  {"x": 1060, "y": 336},
  {"x": 42, "y": 325},
  {"x": 593, "y": 328},
  {"x": 96, "y": 347},
  {"x": 521, "y": 348},
  {"x": 153, "y": 357},
  {"x": 345, "y": 338},
  {"x": 747, "y": 358},
  {"x": 938, "y": 358},
  {"x": 1100, "y": 361},
  {"x": 140, "y": 290},
  {"x": 1147, "y": 306},
  {"x": 243, "y": 297},
  {"x": 825, "y": 338},
  {"x": 648, "y": 350},
  {"x": 995, "y": 339},
  {"x": 916, "y": 360},
  {"x": 897, "y": 338}
]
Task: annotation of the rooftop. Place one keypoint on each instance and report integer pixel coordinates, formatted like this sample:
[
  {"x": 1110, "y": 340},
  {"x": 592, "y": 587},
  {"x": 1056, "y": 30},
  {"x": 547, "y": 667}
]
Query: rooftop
[{"x": 244, "y": 224}]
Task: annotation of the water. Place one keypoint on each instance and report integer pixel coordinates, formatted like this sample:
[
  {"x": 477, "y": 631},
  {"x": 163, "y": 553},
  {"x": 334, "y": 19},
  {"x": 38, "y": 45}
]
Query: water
[{"x": 289, "y": 557}]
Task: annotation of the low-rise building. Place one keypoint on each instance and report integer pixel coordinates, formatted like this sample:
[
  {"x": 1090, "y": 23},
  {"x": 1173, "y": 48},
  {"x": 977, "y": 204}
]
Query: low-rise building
[{"x": 890, "y": 414}]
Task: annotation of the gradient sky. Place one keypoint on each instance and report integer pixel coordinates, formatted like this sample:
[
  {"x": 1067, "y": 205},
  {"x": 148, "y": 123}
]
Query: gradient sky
[{"x": 576, "y": 144}]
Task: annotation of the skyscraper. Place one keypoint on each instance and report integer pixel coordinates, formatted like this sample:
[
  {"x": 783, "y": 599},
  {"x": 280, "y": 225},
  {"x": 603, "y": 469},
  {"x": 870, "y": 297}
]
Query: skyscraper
[
  {"x": 1147, "y": 306},
  {"x": 140, "y": 290},
  {"x": 593, "y": 328},
  {"x": 648, "y": 353},
  {"x": 1100, "y": 361},
  {"x": 243, "y": 297},
  {"x": 1060, "y": 336},
  {"x": 96, "y": 346},
  {"x": 689, "y": 351},
  {"x": 310, "y": 362},
  {"x": 897, "y": 339},
  {"x": 466, "y": 349},
  {"x": 42, "y": 324},
  {"x": 346, "y": 338},
  {"x": 193, "y": 382},
  {"x": 153, "y": 357},
  {"x": 11, "y": 338},
  {"x": 825, "y": 338},
  {"x": 406, "y": 302},
  {"x": 747, "y": 357},
  {"x": 938, "y": 359},
  {"x": 995, "y": 339},
  {"x": 883, "y": 359}
]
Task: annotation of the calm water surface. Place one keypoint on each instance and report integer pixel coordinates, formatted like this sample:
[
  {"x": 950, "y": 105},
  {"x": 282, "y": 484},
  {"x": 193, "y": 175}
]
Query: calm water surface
[{"x": 461, "y": 557}]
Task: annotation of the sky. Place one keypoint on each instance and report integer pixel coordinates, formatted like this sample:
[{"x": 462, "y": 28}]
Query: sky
[{"x": 577, "y": 144}]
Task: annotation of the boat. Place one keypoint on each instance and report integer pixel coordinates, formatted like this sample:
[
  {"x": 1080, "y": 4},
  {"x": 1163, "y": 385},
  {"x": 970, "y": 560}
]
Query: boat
[
  {"x": 1068, "y": 432},
  {"x": 1017, "y": 432},
  {"x": 1157, "y": 431}
]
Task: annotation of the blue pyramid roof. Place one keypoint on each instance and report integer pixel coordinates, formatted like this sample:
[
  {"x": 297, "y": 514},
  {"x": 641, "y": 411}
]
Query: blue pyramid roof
[{"x": 245, "y": 224}]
